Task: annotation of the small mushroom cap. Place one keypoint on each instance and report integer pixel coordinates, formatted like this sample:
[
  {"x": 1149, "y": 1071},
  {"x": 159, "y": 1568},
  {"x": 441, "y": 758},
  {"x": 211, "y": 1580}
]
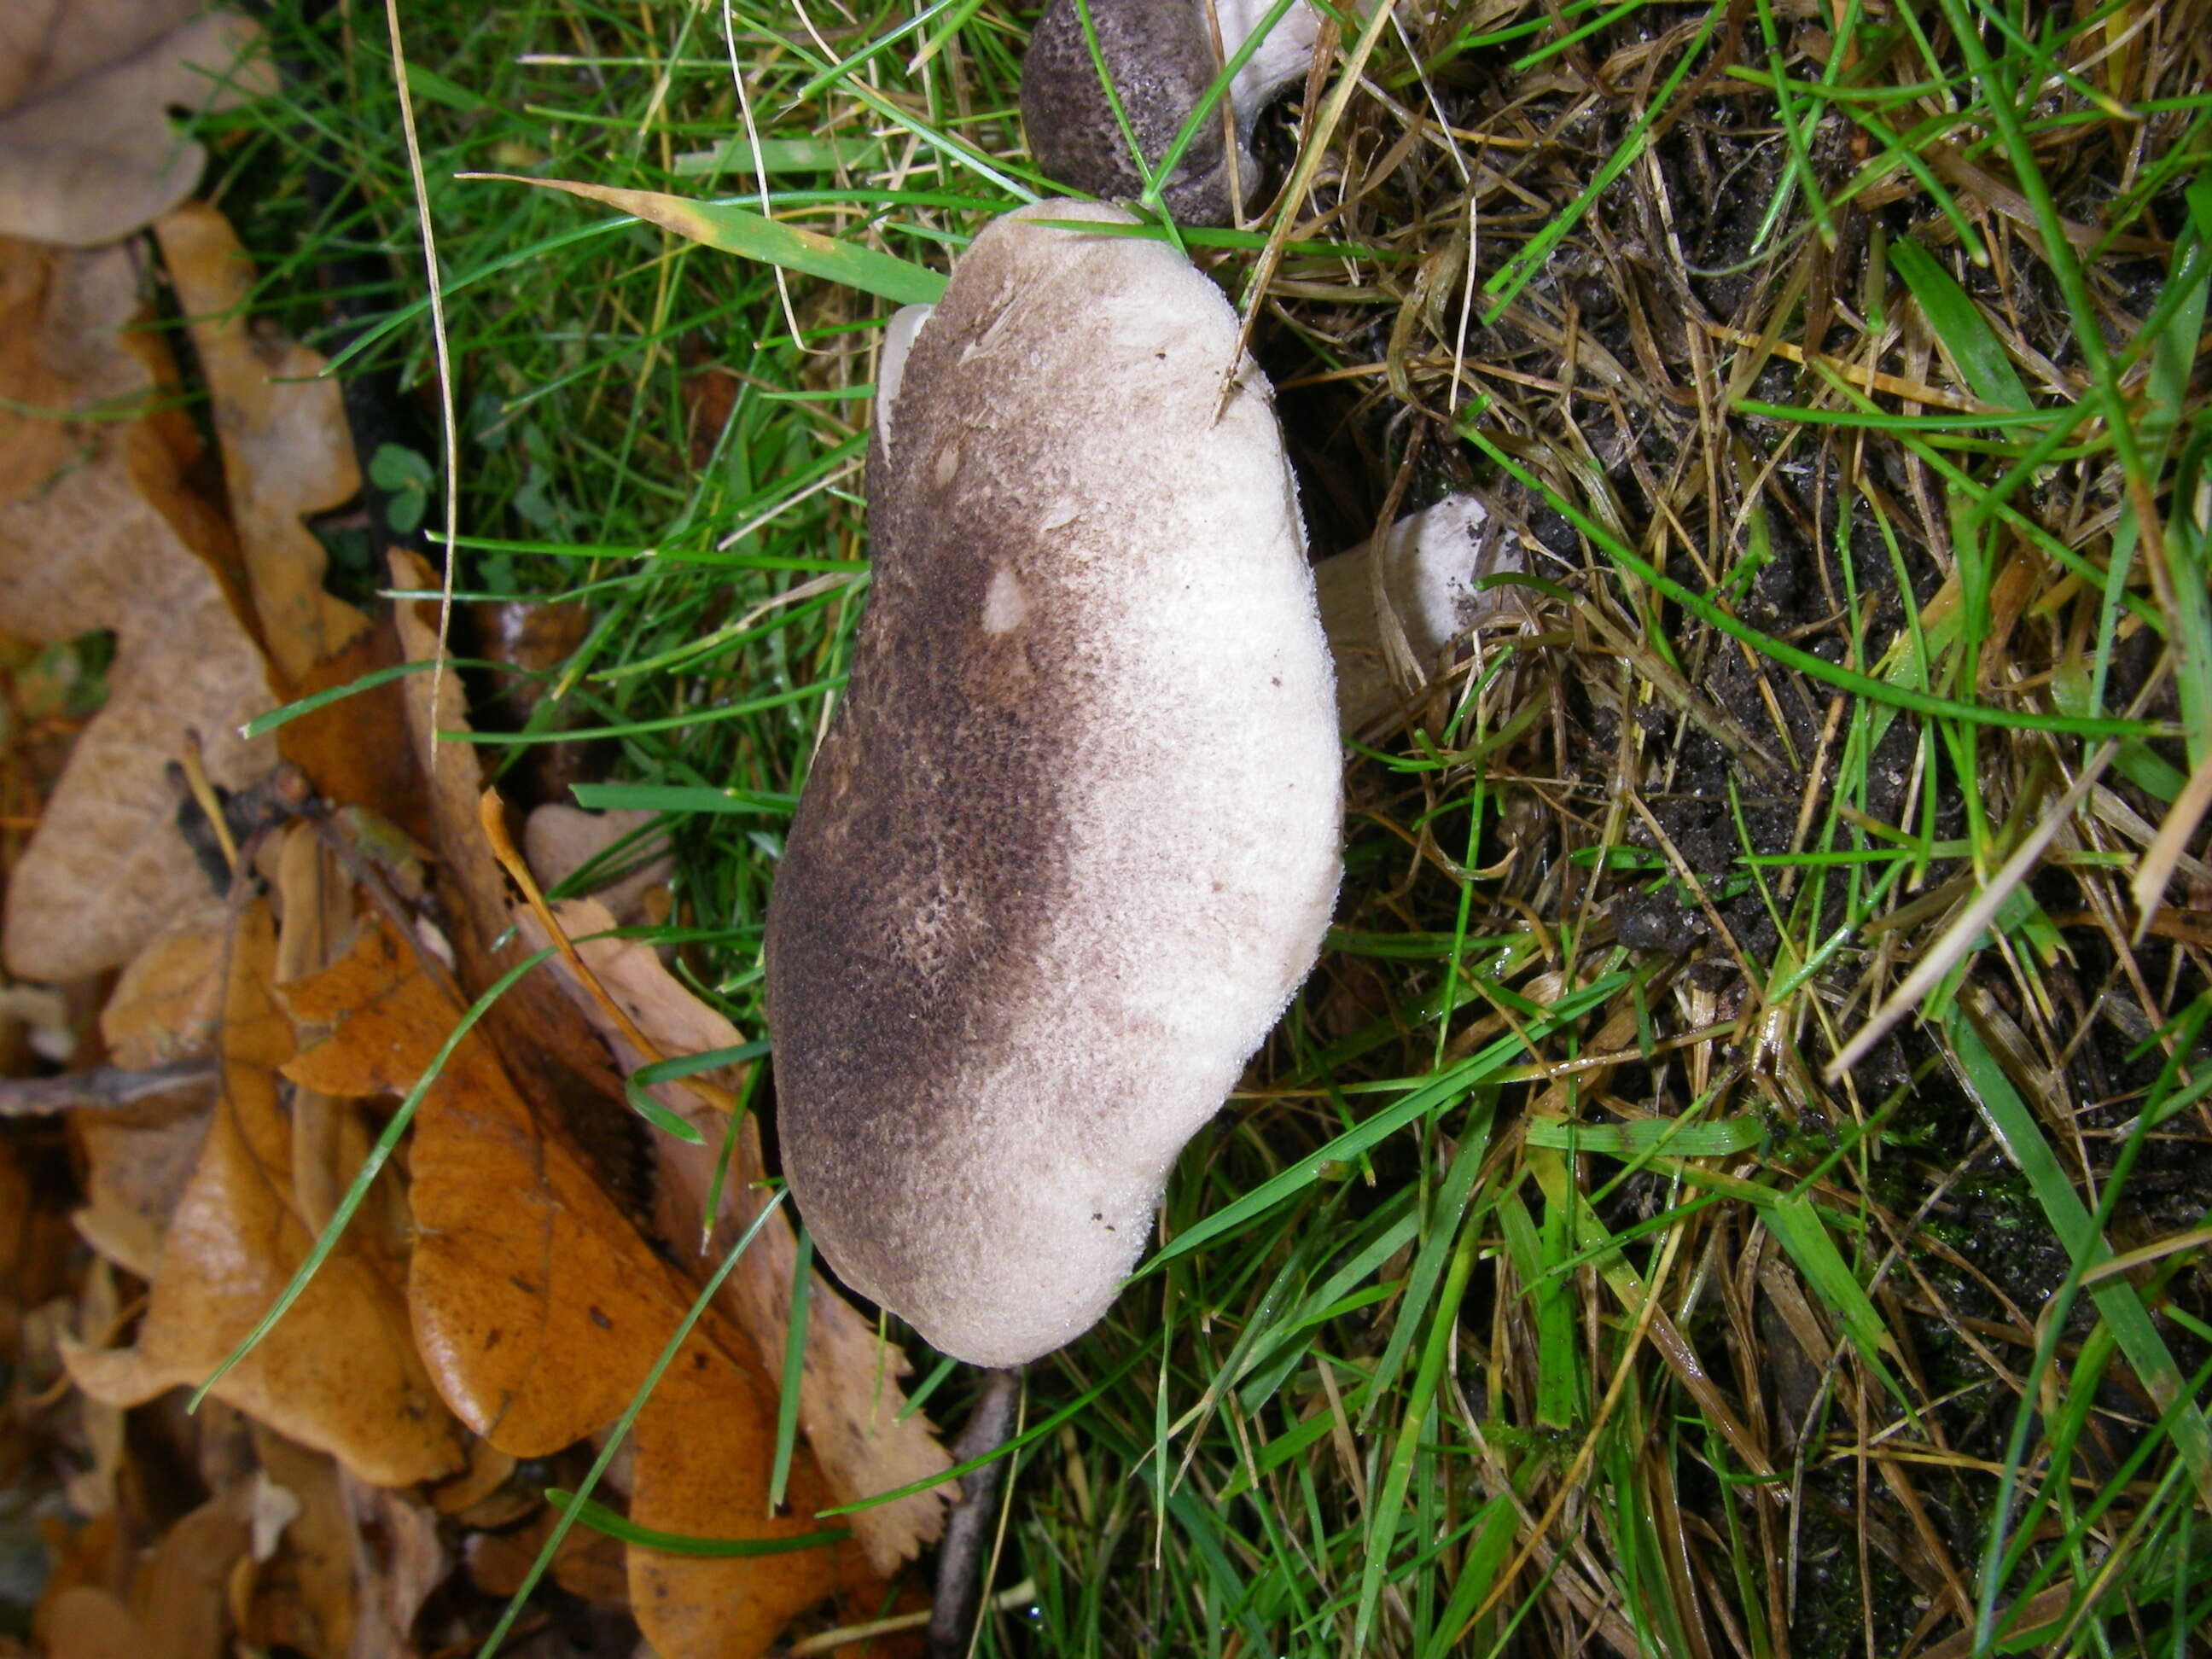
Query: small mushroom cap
[
  {"x": 1160, "y": 56},
  {"x": 1072, "y": 839},
  {"x": 1283, "y": 57},
  {"x": 1433, "y": 559}
]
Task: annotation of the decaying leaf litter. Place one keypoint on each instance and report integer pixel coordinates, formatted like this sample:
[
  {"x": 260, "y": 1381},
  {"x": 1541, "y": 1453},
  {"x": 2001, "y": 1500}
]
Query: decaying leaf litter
[
  {"x": 255, "y": 943},
  {"x": 1541, "y": 1278}
]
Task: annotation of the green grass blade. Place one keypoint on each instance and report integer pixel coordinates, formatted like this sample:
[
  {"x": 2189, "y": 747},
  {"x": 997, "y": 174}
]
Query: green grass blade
[
  {"x": 1385, "y": 1517},
  {"x": 1646, "y": 1136},
  {"x": 1804, "y": 662},
  {"x": 1796, "y": 1222},
  {"x": 2117, "y": 1302},
  {"x": 1961, "y": 329},
  {"x": 794, "y": 1365},
  {"x": 682, "y": 798},
  {"x": 731, "y": 230},
  {"x": 601, "y": 1519}
]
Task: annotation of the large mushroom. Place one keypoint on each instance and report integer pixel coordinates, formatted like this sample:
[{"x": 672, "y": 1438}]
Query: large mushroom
[
  {"x": 1072, "y": 839},
  {"x": 1160, "y": 56}
]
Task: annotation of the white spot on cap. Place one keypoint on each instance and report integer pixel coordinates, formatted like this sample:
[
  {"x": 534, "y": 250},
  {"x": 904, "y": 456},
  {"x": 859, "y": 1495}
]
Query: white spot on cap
[
  {"x": 1005, "y": 602},
  {"x": 948, "y": 463}
]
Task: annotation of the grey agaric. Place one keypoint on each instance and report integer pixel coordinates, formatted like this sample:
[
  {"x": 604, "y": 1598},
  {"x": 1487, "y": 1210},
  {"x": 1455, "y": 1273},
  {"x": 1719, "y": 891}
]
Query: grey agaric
[
  {"x": 1160, "y": 56},
  {"x": 1072, "y": 839}
]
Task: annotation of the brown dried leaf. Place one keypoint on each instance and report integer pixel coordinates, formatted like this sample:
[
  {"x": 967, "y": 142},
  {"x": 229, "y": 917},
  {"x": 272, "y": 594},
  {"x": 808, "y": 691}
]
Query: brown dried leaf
[
  {"x": 330, "y": 1142},
  {"x": 92, "y": 1556},
  {"x": 455, "y": 780},
  {"x": 287, "y": 452},
  {"x": 558, "y": 840},
  {"x": 850, "y": 1405},
  {"x": 59, "y": 351},
  {"x": 692, "y": 1607},
  {"x": 87, "y": 153},
  {"x": 355, "y": 751},
  {"x": 398, "y": 1562},
  {"x": 176, "y": 1606},
  {"x": 496, "y": 1229},
  {"x": 93, "y": 1490},
  {"x": 541, "y": 1307},
  {"x": 558, "y": 1067},
  {"x": 588, "y": 1564},
  {"x": 138, "y": 1161},
  {"x": 168, "y": 1003},
  {"x": 340, "y": 1372},
  {"x": 180, "y": 1594},
  {"x": 303, "y": 1593},
  {"x": 87, "y": 1622},
  {"x": 97, "y": 530}
]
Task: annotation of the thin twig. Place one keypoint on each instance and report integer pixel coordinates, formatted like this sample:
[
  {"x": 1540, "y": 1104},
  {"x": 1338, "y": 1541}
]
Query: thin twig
[
  {"x": 103, "y": 1086},
  {"x": 452, "y": 448},
  {"x": 952, "y": 1616}
]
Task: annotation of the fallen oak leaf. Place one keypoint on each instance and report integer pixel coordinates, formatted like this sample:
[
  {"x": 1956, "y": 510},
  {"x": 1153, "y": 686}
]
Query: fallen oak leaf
[
  {"x": 299, "y": 1596},
  {"x": 342, "y": 1373},
  {"x": 560, "y": 840},
  {"x": 491, "y": 813},
  {"x": 330, "y": 1142},
  {"x": 93, "y": 1489},
  {"x": 287, "y": 452},
  {"x": 95, "y": 158},
  {"x": 851, "y": 1409},
  {"x": 97, "y": 530},
  {"x": 167, "y": 1006},
  {"x": 90, "y": 1621},
  {"x": 138, "y": 1161},
  {"x": 692, "y": 1607},
  {"x": 541, "y": 1310},
  {"x": 178, "y": 1601},
  {"x": 452, "y": 778},
  {"x": 588, "y": 1564},
  {"x": 397, "y": 1563},
  {"x": 355, "y": 750},
  {"x": 59, "y": 358},
  {"x": 560, "y": 1069},
  {"x": 353, "y": 1567},
  {"x": 500, "y": 1209}
]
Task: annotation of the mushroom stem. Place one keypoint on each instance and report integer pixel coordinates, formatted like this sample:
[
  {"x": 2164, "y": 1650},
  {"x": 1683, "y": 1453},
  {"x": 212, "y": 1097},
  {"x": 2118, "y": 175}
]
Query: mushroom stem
[
  {"x": 961, "y": 1559},
  {"x": 1432, "y": 562}
]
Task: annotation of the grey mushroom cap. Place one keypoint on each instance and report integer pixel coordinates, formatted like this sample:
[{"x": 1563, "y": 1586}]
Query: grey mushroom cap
[
  {"x": 1160, "y": 56},
  {"x": 1072, "y": 839}
]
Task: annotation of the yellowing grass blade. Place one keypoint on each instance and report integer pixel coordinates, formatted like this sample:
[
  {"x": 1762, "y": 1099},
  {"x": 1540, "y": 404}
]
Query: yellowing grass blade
[{"x": 735, "y": 230}]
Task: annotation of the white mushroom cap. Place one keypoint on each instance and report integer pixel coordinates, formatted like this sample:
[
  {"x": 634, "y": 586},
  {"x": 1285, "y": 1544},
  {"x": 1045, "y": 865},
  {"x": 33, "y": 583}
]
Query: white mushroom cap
[
  {"x": 1432, "y": 562},
  {"x": 1160, "y": 56},
  {"x": 1072, "y": 839}
]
